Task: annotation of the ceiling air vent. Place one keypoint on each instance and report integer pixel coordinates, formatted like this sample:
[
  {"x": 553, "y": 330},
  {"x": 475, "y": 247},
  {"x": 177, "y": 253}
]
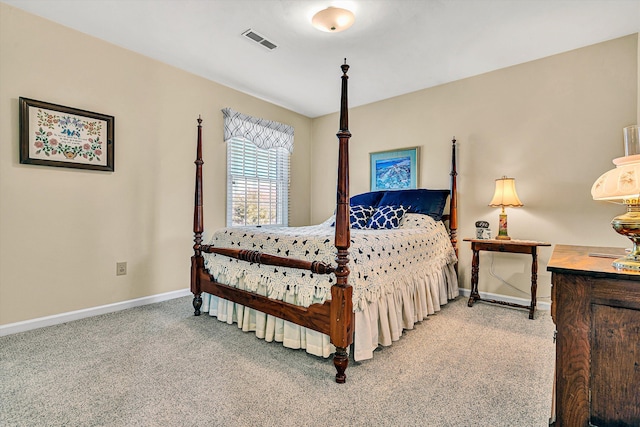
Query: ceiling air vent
[{"x": 252, "y": 35}]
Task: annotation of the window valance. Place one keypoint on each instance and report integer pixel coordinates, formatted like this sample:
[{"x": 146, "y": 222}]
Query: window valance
[{"x": 263, "y": 133}]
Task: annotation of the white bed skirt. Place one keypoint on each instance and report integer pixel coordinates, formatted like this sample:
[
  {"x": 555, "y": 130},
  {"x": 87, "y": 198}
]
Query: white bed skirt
[{"x": 379, "y": 322}]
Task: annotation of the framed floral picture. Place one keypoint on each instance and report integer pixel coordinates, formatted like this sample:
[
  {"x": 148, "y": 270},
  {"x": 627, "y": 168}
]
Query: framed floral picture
[
  {"x": 395, "y": 169},
  {"x": 54, "y": 135}
]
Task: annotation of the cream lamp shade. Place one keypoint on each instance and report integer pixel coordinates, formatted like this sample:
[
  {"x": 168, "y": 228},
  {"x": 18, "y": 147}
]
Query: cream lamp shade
[
  {"x": 333, "y": 19},
  {"x": 505, "y": 195}
]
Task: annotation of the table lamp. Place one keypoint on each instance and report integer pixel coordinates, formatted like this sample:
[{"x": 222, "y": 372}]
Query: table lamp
[
  {"x": 505, "y": 195},
  {"x": 622, "y": 185}
]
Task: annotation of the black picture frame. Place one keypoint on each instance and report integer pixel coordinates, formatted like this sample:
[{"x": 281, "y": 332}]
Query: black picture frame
[{"x": 59, "y": 136}]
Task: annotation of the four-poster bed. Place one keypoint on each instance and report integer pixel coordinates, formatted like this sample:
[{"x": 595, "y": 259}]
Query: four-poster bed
[{"x": 326, "y": 305}]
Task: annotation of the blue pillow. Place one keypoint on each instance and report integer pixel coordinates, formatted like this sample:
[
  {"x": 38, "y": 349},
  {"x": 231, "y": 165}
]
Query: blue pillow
[
  {"x": 422, "y": 201},
  {"x": 367, "y": 199},
  {"x": 386, "y": 217}
]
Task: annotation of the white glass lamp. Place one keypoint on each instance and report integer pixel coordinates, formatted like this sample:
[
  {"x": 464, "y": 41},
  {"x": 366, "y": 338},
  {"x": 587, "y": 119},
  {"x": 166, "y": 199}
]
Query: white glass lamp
[
  {"x": 505, "y": 195},
  {"x": 622, "y": 185}
]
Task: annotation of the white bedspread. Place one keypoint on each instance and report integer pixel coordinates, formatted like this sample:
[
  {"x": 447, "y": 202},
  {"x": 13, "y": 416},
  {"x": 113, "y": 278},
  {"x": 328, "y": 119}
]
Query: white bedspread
[{"x": 398, "y": 276}]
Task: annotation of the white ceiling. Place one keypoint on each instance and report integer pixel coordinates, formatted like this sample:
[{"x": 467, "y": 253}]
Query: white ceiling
[{"x": 394, "y": 47}]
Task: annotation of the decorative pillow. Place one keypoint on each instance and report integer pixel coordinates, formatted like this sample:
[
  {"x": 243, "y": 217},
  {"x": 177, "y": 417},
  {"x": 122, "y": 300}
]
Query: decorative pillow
[
  {"x": 371, "y": 198},
  {"x": 386, "y": 217},
  {"x": 423, "y": 201},
  {"x": 358, "y": 216}
]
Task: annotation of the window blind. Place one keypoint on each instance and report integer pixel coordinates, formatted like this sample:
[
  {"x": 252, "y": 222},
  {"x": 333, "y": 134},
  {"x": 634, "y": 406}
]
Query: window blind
[{"x": 257, "y": 184}]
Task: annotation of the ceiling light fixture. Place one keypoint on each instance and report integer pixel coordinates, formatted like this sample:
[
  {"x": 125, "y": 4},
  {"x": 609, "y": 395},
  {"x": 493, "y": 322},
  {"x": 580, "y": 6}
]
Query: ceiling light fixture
[{"x": 333, "y": 19}]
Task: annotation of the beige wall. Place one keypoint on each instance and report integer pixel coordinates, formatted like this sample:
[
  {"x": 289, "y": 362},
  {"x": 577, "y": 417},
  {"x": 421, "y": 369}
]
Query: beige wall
[
  {"x": 62, "y": 230},
  {"x": 554, "y": 124}
]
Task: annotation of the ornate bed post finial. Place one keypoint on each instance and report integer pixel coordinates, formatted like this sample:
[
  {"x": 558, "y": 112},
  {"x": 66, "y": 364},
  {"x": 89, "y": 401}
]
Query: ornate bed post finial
[{"x": 345, "y": 68}]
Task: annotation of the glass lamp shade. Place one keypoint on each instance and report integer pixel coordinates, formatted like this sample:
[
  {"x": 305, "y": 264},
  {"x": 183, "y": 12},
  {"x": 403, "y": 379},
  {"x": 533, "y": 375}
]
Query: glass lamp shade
[
  {"x": 631, "y": 140},
  {"x": 333, "y": 19},
  {"x": 622, "y": 185}
]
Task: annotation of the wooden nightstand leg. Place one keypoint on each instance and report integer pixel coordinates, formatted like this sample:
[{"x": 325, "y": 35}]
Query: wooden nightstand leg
[
  {"x": 475, "y": 266},
  {"x": 534, "y": 281}
]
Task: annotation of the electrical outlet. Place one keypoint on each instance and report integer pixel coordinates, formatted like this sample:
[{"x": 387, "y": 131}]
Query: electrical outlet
[{"x": 121, "y": 268}]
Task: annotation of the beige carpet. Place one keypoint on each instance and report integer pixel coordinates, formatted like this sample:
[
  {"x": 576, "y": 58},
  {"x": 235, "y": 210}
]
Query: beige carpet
[{"x": 158, "y": 365}]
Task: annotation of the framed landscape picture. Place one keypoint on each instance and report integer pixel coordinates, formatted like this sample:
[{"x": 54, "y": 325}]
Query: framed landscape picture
[
  {"x": 395, "y": 169},
  {"x": 54, "y": 135}
]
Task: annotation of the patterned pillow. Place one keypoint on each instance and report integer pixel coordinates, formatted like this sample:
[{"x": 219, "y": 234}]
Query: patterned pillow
[
  {"x": 386, "y": 217},
  {"x": 358, "y": 216}
]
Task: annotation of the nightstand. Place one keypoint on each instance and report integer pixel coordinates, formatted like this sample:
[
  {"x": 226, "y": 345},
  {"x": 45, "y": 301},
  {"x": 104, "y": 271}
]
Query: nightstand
[{"x": 511, "y": 246}]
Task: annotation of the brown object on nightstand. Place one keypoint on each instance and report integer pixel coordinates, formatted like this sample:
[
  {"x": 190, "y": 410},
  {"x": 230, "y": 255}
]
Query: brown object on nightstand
[
  {"x": 596, "y": 309},
  {"x": 510, "y": 246}
]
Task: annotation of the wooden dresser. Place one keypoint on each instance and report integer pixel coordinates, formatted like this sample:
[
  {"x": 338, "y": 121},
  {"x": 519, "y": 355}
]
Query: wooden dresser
[{"x": 596, "y": 310}]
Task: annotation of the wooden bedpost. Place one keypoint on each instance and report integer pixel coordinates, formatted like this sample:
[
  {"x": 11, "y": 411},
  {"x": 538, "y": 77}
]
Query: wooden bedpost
[
  {"x": 197, "y": 261},
  {"x": 453, "y": 203},
  {"x": 342, "y": 314}
]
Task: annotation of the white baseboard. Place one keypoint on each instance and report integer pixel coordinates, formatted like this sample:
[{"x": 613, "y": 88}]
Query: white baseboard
[
  {"x": 41, "y": 322},
  {"x": 540, "y": 305},
  {"x": 27, "y": 325}
]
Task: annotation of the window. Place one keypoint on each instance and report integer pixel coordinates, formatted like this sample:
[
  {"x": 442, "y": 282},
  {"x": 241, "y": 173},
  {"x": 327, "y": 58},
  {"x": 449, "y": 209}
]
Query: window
[
  {"x": 257, "y": 184},
  {"x": 258, "y": 153}
]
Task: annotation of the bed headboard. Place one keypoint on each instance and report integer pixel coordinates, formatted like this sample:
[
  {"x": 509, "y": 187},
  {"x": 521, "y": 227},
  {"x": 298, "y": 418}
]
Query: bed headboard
[{"x": 421, "y": 200}]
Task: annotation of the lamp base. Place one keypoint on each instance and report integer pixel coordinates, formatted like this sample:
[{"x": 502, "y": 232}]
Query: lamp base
[
  {"x": 628, "y": 225},
  {"x": 627, "y": 263},
  {"x": 502, "y": 227}
]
